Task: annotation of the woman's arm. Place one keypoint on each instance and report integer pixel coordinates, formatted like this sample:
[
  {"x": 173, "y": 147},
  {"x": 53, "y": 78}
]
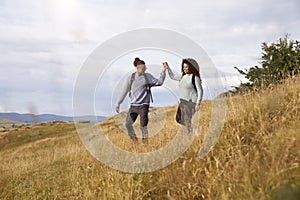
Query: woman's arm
[
  {"x": 198, "y": 84},
  {"x": 176, "y": 77},
  {"x": 170, "y": 72}
]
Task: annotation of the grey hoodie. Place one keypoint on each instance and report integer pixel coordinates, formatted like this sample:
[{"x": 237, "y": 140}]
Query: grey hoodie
[{"x": 139, "y": 94}]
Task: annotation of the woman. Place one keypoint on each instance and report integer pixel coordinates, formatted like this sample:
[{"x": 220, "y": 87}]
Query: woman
[
  {"x": 190, "y": 91},
  {"x": 138, "y": 86}
]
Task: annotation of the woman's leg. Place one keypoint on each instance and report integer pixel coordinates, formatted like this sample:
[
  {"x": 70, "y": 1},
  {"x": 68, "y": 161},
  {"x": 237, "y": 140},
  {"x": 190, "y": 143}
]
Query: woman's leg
[
  {"x": 190, "y": 113},
  {"x": 187, "y": 112},
  {"x": 179, "y": 115}
]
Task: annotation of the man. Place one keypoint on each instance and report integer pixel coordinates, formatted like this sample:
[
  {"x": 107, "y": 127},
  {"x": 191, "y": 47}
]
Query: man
[{"x": 138, "y": 86}]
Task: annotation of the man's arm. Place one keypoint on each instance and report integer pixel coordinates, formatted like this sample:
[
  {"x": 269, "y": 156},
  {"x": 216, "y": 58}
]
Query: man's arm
[
  {"x": 157, "y": 82},
  {"x": 124, "y": 92}
]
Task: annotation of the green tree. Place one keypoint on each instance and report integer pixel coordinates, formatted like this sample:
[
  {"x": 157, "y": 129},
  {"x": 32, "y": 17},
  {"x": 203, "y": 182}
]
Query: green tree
[{"x": 279, "y": 61}]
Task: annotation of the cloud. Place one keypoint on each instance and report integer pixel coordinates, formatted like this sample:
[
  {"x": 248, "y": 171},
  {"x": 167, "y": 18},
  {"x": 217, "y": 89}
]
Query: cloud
[
  {"x": 44, "y": 43},
  {"x": 3, "y": 108}
]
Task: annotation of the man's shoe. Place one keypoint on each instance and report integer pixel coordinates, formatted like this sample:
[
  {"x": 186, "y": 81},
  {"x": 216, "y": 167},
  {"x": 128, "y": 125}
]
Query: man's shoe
[
  {"x": 134, "y": 139},
  {"x": 145, "y": 140}
]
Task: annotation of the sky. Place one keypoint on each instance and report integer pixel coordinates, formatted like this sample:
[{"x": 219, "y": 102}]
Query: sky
[{"x": 44, "y": 44}]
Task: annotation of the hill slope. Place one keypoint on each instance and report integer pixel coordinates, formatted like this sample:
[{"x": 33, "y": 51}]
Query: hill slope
[{"x": 257, "y": 157}]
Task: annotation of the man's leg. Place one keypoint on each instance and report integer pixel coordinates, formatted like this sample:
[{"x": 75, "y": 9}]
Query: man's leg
[
  {"x": 144, "y": 130},
  {"x": 144, "y": 122},
  {"x": 130, "y": 119}
]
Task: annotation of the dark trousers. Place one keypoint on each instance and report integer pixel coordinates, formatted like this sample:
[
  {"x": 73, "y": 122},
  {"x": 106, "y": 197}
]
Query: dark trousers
[
  {"x": 133, "y": 113},
  {"x": 185, "y": 112}
]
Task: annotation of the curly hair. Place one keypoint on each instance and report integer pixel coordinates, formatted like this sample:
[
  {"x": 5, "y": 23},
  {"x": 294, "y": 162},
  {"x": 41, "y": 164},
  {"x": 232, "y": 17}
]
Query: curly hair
[{"x": 193, "y": 66}]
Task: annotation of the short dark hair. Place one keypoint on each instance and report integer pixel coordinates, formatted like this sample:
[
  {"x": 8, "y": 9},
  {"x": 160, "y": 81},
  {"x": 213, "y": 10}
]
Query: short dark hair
[{"x": 138, "y": 61}]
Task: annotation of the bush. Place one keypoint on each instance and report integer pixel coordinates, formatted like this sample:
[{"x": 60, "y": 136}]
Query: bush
[{"x": 279, "y": 61}]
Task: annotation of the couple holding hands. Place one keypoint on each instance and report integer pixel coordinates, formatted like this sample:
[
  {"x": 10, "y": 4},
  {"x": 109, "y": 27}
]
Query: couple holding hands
[{"x": 139, "y": 84}]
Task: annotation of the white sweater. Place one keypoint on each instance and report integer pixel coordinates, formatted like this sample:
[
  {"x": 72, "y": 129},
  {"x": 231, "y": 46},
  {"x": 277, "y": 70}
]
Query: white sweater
[{"x": 186, "y": 88}]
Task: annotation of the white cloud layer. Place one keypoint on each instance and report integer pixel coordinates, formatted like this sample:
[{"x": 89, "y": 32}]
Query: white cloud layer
[{"x": 44, "y": 43}]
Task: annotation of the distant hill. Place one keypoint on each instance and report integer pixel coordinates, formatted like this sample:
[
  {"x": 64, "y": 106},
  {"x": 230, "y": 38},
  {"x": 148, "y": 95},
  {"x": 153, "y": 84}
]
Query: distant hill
[
  {"x": 32, "y": 118},
  {"x": 8, "y": 121},
  {"x": 6, "y": 124}
]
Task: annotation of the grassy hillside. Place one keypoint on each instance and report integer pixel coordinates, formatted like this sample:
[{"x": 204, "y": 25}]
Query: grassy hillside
[
  {"x": 6, "y": 124},
  {"x": 257, "y": 157}
]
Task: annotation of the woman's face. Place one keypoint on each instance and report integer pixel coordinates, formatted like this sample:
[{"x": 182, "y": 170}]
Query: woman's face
[
  {"x": 141, "y": 68},
  {"x": 186, "y": 68}
]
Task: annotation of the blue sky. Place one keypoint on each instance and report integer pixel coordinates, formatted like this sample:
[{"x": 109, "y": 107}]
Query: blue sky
[{"x": 43, "y": 44}]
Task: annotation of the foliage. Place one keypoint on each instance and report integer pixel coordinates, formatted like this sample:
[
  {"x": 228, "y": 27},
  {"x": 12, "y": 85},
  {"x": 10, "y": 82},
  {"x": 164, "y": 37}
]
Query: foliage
[{"x": 279, "y": 61}]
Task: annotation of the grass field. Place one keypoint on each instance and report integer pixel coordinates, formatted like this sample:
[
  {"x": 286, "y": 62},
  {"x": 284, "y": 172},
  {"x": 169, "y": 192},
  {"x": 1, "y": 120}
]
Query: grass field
[{"x": 256, "y": 157}]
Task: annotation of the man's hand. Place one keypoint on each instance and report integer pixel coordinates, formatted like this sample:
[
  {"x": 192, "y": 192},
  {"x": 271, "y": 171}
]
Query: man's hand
[
  {"x": 165, "y": 64},
  {"x": 117, "y": 108}
]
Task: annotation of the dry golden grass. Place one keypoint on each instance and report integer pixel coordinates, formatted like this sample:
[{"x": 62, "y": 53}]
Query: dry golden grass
[
  {"x": 162, "y": 128},
  {"x": 257, "y": 157}
]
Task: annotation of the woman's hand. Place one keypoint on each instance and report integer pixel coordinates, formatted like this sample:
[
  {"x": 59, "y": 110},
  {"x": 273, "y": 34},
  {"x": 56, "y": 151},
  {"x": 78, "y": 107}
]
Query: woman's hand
[
  {"x": 118, "y": 109},
  {"x": 165, "y": 64},
  {"x": 197, "y": 107}
]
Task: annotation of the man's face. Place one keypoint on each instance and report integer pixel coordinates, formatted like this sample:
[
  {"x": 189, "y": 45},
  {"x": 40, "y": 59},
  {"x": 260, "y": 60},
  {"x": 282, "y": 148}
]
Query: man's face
[{"x": 141, "y": 68}]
